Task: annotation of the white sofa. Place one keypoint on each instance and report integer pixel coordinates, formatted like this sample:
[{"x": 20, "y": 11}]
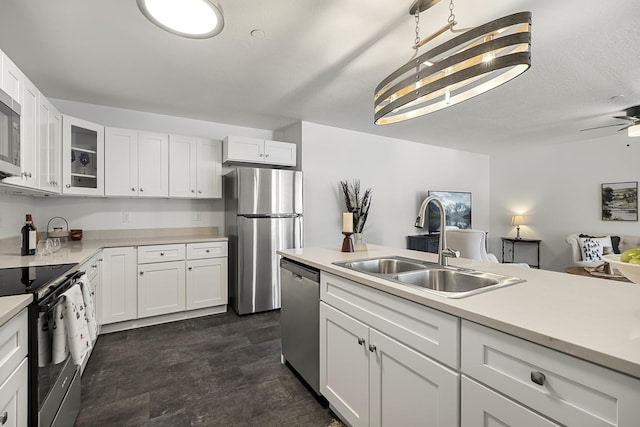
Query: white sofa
[{"x": 626, "y": 242}]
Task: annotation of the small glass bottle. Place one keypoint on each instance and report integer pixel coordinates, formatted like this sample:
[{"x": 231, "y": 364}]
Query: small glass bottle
[{"x": 28, "y": 237}]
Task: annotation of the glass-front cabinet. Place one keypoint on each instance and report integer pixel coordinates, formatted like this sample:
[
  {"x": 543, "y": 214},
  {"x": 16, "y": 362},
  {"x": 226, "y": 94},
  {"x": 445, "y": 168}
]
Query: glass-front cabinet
[{"x": 82, "y": 157}]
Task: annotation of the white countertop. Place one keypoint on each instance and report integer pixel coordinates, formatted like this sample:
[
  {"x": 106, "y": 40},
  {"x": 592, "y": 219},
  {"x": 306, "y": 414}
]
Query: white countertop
[
  {"x": 594, "y": 319},
  {"x": 76, "y": 252}
]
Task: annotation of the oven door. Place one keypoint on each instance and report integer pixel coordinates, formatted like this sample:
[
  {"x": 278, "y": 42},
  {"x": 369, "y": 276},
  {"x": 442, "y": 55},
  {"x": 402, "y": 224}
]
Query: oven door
[
  {"x": 57, "y": 377},
  {"x": 9, "y": 136}
]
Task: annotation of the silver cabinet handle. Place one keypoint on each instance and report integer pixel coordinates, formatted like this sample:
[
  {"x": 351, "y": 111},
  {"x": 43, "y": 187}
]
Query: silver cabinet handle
[
  {"x": 266, "y": 155},
  {"x": 361, "y": 341},
  {"x": 372, "y": 348},
  {"x": 193, "y": 191},
  {"x": 207, "y": 251},
  {"x": 142, "y": 273},
  {"x": 68, "y": 185},
  {"x": 200, "y": 191},
  {"x": 261, "y": 155},
  {"x": 161, "y": 253},
  {"x": 190, "y": 268},
  {"x": 538, "y": 378},
  {"x": 133, "y": 189},
  {"x": 141, "y": 189},
  {"x": 4, "y": 417},
  {"x": 94, "y": 266}
]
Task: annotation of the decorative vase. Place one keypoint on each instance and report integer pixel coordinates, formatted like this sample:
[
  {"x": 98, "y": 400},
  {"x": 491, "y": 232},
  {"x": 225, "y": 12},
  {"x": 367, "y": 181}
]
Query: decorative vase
[{"x": 358, "y": 245}]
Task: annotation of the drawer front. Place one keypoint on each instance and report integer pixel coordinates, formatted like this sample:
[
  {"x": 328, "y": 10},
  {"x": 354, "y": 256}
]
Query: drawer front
[
  {"x": 160, "y": 253},
  {"x": 566, "y": 389},
  {"x": 206, "y": 250},
  {"x": 13, "y": 344},
  {"x": 482, "y": 407},
  {"x": 13, "y": 397},
  {"x": 431, "y": 332}
]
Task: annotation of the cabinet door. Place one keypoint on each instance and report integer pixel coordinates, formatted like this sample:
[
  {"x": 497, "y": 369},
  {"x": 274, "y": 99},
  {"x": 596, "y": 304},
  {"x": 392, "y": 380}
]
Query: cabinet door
[
  {"x": 280, "y": 153},
  {"x": 118, "y": 292},
  {"x": 120, "y": 162},
  {"x": 344, "y": 364},
  {"x": 209, "y": 169},
  {"x": 12, "y": 79},
  {"x": 161, "y": 288},
  {"x": 482, "y": 407},
  {"x": 182, "y": 166},
  {"x": 242, "y": 149},
  {"x": 30, "y": 104},
  {"x": 82, "y": 157},
  {"x": 206, "y": 283},
  {"x": 13, "y": 397},
  {"x": 408, "y": 388},
  {"x": 49, "y": 157},
  {"x": 153, "y": 164}
]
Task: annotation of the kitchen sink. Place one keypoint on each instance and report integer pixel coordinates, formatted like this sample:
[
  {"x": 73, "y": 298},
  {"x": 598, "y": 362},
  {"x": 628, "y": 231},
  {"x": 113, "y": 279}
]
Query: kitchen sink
[
  {"x": 391, "y": 265},
  {"x": 449, "y": 281}
]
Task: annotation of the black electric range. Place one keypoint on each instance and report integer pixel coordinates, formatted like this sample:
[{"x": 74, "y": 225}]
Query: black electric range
[{"x": 38, "y": 280}]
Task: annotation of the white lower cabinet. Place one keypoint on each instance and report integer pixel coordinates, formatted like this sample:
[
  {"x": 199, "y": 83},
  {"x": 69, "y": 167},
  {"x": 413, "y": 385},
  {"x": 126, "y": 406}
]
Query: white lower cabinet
[
  {"x": 161, "y": 288},
  {"x": 371, "y": 379},
  {"x": 160, "y": 283},
  {"x": 482, "y": 407},
  {"x": 206, "y": 282},
  {"x": 119, "y": 285},
  {"x": 13, "y": 397},
  {"x": 13, "y": 371},
  {"x": 562, "y": 388}
]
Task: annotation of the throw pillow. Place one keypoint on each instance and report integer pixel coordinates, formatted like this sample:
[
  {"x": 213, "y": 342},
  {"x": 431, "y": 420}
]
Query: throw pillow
[
  {"x": 606, "y": 241},
  {"x": 591, "y": 249}
]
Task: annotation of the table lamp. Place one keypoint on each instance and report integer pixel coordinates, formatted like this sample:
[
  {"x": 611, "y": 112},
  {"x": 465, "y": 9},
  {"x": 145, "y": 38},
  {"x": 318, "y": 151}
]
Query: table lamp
[{"x": 517, "y": 220}]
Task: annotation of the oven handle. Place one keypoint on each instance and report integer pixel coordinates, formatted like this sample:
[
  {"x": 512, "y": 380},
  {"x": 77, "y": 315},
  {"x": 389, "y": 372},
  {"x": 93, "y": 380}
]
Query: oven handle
[{"x": 56, "y": 295}]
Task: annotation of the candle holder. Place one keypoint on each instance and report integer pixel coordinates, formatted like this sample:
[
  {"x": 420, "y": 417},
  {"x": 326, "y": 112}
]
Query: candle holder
[{"x": 347, "y": 243}]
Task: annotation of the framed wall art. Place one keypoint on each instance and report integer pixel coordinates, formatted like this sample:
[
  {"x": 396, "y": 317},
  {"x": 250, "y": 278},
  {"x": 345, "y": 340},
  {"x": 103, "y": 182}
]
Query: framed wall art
[
  {"x": 457, "y": 207},
  {"x": 620, "y": 201}
]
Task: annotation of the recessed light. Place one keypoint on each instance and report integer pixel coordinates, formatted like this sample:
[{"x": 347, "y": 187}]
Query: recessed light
[{"x": 196, "y": 19}]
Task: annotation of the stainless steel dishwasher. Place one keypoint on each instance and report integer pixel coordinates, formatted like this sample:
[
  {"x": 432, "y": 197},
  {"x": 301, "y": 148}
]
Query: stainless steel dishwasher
[{"x": 300, "y": 320}]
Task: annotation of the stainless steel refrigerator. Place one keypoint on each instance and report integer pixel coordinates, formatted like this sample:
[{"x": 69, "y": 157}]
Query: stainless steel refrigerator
[{"x": 263, "y": 213}]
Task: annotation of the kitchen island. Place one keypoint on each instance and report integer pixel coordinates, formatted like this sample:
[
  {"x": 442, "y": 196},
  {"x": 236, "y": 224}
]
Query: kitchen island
[{"x": 572, "y": 326}]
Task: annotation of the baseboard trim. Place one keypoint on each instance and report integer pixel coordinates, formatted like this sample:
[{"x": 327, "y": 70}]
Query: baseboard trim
[{"x": 165, "y": 318}]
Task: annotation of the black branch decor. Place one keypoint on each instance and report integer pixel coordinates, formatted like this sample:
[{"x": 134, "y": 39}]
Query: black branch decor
[{"x": 356, "y": 203}]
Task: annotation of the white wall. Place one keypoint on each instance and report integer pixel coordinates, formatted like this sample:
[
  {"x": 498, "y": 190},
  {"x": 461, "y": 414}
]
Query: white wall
[
  {"x": 558, "y": 189},
  {"x": 400, "y": 174}
]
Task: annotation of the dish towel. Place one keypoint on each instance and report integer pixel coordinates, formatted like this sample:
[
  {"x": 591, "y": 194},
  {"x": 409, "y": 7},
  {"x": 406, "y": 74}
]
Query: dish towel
[
  {"x": 90, "y": 311},
  {"x": 75, "y": 323},
  {"x": 60, "y": 349},
  {"x": 44, "y": 340}
]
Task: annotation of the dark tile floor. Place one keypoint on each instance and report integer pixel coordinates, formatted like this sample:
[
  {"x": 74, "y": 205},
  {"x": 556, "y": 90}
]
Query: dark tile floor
[{"x": 221, "y": 370}]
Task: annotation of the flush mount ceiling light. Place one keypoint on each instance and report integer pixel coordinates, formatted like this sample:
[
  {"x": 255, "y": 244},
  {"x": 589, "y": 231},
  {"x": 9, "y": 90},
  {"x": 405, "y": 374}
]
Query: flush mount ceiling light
[
  {"x": 468, "y": 65},
  {"x": 633, "y": 130},
  {"x": 197, "y": 19}
]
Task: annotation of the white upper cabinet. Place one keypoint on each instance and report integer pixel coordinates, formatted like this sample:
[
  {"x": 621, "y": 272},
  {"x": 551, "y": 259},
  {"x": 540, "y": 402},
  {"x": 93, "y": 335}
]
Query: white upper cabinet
[
  {"x": 136, "y": 163},
  {"x": 12, "y": 78},
  {"x": 50, "y": 146},
  {"x": 29, "y": 102},
  {"x": 252, "y": 150},
  {"x": 82, "y": 157},
  {"x": 195, "y": 167}
]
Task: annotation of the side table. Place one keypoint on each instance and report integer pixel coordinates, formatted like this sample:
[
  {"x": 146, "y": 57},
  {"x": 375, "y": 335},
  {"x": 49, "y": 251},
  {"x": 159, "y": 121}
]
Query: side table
[{"x": 513, "y": 241}]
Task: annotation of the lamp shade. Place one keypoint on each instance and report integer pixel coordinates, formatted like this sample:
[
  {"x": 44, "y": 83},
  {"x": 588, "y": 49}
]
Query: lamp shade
[
  {"x": 517, "y": 220},
  {"x": 634, "y": 130}
]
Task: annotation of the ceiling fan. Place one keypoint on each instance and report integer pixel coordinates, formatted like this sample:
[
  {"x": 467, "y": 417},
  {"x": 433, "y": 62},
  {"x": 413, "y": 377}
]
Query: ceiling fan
[{"x": 632, "y": 115}]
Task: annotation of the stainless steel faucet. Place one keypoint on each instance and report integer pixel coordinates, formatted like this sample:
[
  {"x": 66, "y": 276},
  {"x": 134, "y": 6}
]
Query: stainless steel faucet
[{"x": 444, "y": 253}]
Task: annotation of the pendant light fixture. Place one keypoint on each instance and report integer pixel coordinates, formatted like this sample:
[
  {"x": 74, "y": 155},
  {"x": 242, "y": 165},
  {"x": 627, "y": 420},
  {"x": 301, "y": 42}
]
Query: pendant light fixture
[
  {"x": 465, "y": 66},
  {"x": 197, "y": 19}
]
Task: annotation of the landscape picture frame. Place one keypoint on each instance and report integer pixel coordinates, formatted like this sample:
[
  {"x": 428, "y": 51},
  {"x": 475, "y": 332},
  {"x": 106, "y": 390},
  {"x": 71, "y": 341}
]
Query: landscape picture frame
[
  {"x": 619, "y": 201},
  {"x": 457, "y": 206}
]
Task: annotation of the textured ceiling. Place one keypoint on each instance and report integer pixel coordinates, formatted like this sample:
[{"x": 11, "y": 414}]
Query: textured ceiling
[{"x": 321, "y": 60}]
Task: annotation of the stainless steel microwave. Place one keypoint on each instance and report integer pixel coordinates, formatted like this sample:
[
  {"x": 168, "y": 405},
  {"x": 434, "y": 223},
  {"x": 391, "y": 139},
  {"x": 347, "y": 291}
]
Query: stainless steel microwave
[{"x": 9, "y": 136}]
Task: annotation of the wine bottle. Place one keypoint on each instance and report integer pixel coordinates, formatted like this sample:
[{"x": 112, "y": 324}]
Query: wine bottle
[{"x": 28, "y": 237}]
